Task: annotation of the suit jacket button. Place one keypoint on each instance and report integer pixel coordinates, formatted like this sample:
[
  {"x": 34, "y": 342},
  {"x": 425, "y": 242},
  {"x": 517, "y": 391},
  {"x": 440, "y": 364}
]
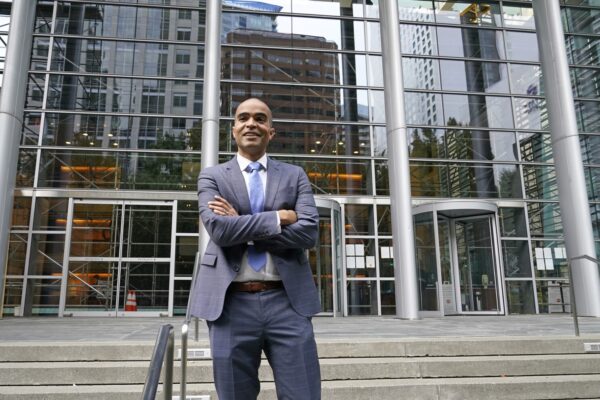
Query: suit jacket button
[{"x": 236, "y": 268}]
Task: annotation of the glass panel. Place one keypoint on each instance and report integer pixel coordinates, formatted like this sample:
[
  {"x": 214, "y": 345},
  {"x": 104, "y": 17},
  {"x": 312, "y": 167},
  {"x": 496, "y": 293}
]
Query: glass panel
[
  {"x": 580, "y": 20},
  {"x": 455, "y": 180},
  {"x": 321, "y": 262},
  {"x": 127, "y": 58},
  {"x": 50, "y": 214},
  {"x": 147, "y": 231},
  {"x": 595, "y": 216},
  {"x": 477, "y": 111},
  {"x": 180, "y": 296},
  {"x": 520, "y": 297},
  {"x": 471, "y": 43},
  {"x": 17, "y": 249},
  {"x": 531, "y": 113},
  {"x": 583, "y": 50},
  {"x": 92, "y": 286},
  {"x": 540, "y": 182},
  {"x": 337, "y": 177},
  {"x": 188, "y": 218},
  {"x": 418, "y": 40},
  {"x": 519, "y": 16},
  {"x": 550, "y": 259},
  {"x": 448, "y": 289},
  {"x": 334, "y": 8},
  {"x": 375, "y": 65},
  {"x": 119, "y": 170},
  {"x": 426, "y": 261},
  {"x": 386, "y": 258},
  {"x": 47, "y": 252},
  {"x": 420, "y": 73},
  {"x": 360, "y": 258},
  {"x": 476, "y": 267},
  {"x": 544, "y": 219},
  {"x": 13, "y": 289},
  {"x": 526, "y": 79},
  {"x": 521, "y": 46},
  {"x": 362, "y": 297},
  {"x": 512, "y": 222},
  {"x": 21, "y": 212},
  {"x": 587, "y": 114},
  {"x": 474, "y": 76},
  {"x": 26, "y": 168},
  {"x": 536, "y": 147},
  {"x": 96, "y": 230},
  {"x": 388, "y": 297},
  {"x": 185, "y": 255},
  {"x": 592, "y": 180},
  {"x": 415, "y": 10},
  {"x": 516, "y": 258},
  {"x": 45, "y": 296},
  {"x": 467, "y": 13},
  {"x": 586, "y": 82},
  {"x": 423, "y": 108},
  {"x": 359, "y": 219},
  {"x": 553, "y": 296},
  {"x": 31, "y": 128},
  {"x": 384, "y": 220},
  {"x": 150, "y": 283}
]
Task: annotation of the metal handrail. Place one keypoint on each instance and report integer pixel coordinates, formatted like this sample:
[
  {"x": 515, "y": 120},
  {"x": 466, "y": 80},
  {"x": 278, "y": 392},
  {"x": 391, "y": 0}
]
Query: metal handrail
[
  {"x": 164, "y": 346},
  {"x": 572, "y": 290}
]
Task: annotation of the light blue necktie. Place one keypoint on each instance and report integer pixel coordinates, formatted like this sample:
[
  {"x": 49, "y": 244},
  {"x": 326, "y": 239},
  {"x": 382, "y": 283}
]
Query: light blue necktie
[{"x": 256, "y": 259}]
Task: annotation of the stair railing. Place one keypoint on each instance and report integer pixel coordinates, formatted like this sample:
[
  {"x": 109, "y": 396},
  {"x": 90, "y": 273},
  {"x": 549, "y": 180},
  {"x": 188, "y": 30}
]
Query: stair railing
[
  {"x": 165, "y": 343},
  {"x": 572, "y": 290}
]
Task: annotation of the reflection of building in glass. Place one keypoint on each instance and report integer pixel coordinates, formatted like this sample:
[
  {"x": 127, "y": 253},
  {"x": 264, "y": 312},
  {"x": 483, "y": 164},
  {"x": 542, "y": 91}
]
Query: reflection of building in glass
[{"x": 112, "y": 129}]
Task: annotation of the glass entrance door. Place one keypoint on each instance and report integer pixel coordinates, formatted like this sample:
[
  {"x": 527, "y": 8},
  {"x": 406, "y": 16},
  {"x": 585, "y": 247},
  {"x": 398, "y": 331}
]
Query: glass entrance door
[
  {"x": 476, "y": 265},
  {"x": 120, "y": 258},
  {"x": 325, "y": 258}
]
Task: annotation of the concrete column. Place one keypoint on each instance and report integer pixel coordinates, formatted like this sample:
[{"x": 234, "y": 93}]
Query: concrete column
[
  {"x": 574, "y": 206},
  {"x": 12, "y": 103},
  {"x": 405, "y": 272}
]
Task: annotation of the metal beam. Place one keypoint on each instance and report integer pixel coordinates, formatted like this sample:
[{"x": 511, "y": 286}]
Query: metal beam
[
  {"x": 407, "y": 304},
  {"x": 12, "y": 103},
  {"x": 573, "y": 196}
]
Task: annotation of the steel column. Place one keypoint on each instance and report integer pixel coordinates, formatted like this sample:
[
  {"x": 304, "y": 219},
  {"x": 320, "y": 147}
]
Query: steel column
[
  {"x": 407, "y": 304},
  {"x": 12, "y": 102},
  {"x": 573, "y": 196}
]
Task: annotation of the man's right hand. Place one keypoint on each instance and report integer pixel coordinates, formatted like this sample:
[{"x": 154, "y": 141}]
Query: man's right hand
[{"x": 287, "y": 217}]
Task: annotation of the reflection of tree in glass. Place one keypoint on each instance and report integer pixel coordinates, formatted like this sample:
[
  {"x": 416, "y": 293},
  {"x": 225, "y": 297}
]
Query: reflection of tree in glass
[{"x": 424, "y": 177}]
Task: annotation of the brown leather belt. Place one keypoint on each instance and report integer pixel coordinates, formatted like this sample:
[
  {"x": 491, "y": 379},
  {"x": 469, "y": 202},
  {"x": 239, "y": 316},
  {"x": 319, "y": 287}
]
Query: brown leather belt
[{"x": 255, "y": 286}]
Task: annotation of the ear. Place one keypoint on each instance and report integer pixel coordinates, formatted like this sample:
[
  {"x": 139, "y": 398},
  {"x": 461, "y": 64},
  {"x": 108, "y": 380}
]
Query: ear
[{"x": 272, "y": 133}]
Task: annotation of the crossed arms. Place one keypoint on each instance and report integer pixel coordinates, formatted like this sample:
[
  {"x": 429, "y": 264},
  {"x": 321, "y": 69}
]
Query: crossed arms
[{"x": 298, "y": 228}]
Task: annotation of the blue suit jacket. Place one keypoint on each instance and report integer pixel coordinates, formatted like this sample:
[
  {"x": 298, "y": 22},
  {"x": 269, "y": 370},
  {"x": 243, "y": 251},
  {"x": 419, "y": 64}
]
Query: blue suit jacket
[{"x": 287, "y": 188}]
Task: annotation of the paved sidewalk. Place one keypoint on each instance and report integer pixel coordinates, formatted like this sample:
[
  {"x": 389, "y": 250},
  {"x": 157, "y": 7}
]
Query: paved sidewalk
[{"x": 326, "y": 328}]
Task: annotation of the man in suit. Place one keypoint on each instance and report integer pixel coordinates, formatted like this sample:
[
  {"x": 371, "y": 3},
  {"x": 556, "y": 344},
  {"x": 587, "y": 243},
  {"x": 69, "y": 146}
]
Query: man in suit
[{"x": 254, "y": 285}]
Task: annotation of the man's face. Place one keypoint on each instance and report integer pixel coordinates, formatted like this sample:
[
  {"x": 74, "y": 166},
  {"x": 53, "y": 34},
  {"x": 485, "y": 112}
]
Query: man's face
[{"x": 252, "y": 128}]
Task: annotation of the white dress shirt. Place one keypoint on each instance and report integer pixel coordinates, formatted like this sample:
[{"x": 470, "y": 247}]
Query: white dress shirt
[{"x": 246, "y": 272}]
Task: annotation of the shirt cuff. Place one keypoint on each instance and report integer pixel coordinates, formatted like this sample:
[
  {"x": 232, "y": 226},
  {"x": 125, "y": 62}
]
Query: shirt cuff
[{"x": 278, "y": 222}]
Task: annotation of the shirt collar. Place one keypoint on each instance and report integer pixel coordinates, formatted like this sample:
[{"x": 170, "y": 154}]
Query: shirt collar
[{"x": 243, "y": 161}]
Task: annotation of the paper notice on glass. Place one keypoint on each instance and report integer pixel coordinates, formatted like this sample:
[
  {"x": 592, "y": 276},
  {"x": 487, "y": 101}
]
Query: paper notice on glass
[
  {"x": 385, "y": 252},
  {"x": 559, "y": 252},
  {"x": 349, "y": 249},
  {"x": 360, "y": 262},
  {"x": 350, "y": 264},
  {"x": 549, "y": 264},
  {"x": 547, "y": 253},
  {"x": 360, "y": 249},
  {"x": 539, "y": 259},
  {"x": 370, "y": 260}
]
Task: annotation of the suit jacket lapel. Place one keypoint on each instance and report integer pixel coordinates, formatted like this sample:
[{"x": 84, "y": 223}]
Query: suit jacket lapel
[
  {"x": 238, "y": 186},
  {"x": 273, "y": 179}
]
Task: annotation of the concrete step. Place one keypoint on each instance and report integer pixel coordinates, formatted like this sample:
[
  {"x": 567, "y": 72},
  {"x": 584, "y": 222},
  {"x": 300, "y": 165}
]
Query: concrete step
[
  {"x": 498, "y": 388},
  {"x": 134, "y": 372},
  {"x": 113, "y": 351}
]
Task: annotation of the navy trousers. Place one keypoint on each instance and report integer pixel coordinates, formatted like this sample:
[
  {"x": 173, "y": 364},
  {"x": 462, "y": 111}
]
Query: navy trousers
[{"x": 264, "y": 321}]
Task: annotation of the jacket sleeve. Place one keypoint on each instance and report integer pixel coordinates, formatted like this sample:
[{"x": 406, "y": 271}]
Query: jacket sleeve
[
  {"x": 304, "y": 232},
  {"x": 227, "y": 230}
]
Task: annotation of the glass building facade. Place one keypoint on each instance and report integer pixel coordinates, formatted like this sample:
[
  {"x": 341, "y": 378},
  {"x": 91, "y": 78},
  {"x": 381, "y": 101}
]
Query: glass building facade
[{"x": 110, "y": 150}]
